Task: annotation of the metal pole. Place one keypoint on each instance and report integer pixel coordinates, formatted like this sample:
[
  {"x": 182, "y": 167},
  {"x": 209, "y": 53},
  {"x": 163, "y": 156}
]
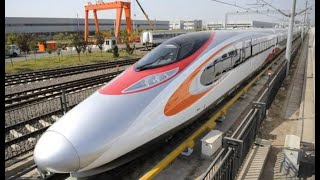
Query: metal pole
[
  {"x": 63, "y": 99},
  {"x": 289, "y": 39},
  {"x": 78, "y": 22},
  {"x": 304, "y": 20},
  {"x": 225, "y": 20}
]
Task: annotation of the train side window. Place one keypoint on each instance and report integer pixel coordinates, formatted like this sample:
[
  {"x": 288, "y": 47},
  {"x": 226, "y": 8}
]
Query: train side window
[
  {"x": 233, "y": 53},
  {"x": 224, "y": 56}
]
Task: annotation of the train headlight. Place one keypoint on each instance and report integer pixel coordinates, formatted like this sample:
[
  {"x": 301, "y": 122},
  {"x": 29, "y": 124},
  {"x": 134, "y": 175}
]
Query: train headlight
[{"x": 151, "y": 81}]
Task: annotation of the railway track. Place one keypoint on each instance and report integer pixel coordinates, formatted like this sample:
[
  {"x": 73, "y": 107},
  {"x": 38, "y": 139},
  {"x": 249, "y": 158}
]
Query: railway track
[
  {"x": 28, "y": 138},
  {"x": 41, "y": 75},
  {"x": 15, "y": 100}
]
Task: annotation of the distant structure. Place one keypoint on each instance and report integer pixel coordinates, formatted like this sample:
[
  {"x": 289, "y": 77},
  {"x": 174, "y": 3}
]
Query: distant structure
[
  {"x": 56, "y": 25},
  {"x": 240, "y": 24},
  {"x": 187, "y": 25},
  {"x": 192, "y": 25},
  {"x": 176, "y": 25}
]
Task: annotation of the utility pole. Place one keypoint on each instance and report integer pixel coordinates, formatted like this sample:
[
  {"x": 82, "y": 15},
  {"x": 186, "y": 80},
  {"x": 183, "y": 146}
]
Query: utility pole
[
  {"x": 290, "y": 30},
  {"x": 225, "y": 21},
  {"x": 78, "y": 22},
  {"x": 304, "y": 20}
]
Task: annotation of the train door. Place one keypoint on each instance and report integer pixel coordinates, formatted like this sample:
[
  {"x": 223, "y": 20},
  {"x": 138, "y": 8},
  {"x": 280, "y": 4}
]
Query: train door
[
  {"x": 247, "y": 49},
  {"x": 235, "y": 57},
  {"x": 242, "y": 56}
]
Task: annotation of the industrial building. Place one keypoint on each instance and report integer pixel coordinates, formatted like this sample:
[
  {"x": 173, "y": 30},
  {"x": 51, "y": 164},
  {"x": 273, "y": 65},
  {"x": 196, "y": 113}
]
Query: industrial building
[
  {"x": 55, "y": 25},
  {"x": 241, "y": 24},
  {"x": 176, "y": 25},
  {"x": 187, "y": 25}
]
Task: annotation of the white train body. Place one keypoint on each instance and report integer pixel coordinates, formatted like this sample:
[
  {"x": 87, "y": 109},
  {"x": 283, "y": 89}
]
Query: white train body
[
  {"x": 157, "y": 37},
  {"x": 164, "y": 91}
]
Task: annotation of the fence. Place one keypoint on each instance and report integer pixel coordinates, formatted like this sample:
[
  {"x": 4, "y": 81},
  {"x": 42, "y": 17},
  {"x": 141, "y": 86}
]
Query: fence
[{"x": 24, "y": 126}]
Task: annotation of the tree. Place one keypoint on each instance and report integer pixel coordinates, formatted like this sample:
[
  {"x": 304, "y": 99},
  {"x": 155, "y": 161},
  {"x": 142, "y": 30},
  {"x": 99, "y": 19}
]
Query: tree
[
  {"x": 42, "y": 40},
  {"x": 115, "y": 51},
  {"x": 12, "y": 38},
  {"x": 124, "y": 37},
  {"x": 89, "y": 48},
  {"x": 59, "y": 49},
  {"x": 106, "y": 34},
  {"x": 70, "y": 44},
  {"x": 8, "y": 54},
  {"x": 33, "y": 47},
  {"x": 59, "y": 36},
  {"x": 58, "y": 52},
  {"x": 23, "y": 41},
  {"x": 99, "y": 41},
  {"x": 78, "y": 42},
  {"x": 49, "y": 50},
  {"x": 84, "y": 47}
]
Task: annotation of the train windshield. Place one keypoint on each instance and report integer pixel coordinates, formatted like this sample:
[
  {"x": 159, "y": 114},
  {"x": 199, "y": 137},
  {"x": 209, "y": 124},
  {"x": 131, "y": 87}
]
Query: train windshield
[{"x": 172, "y": 51}]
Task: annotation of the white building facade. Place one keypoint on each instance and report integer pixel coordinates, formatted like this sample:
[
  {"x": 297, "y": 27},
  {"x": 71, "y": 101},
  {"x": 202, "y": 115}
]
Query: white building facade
[
  {"x": 186, "y": 25},
  {"x": 240, "y": 24}
]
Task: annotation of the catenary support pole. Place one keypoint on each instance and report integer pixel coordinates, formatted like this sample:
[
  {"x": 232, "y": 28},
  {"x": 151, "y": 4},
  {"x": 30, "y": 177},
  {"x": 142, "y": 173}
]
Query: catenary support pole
[
  {"x": 290, "y": 29},
  {"x": 304, "y": 21},
  {"x": 225, "y": 21}
]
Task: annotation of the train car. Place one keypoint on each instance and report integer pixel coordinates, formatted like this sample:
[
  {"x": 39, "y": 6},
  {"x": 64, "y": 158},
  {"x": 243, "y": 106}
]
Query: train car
[
  {"x": 166, "y": 90},
  {"x": 154, "y": 38}
]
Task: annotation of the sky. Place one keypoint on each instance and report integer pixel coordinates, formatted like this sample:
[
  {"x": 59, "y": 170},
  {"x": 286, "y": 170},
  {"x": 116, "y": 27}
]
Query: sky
[{"x": 206, "y": 10}]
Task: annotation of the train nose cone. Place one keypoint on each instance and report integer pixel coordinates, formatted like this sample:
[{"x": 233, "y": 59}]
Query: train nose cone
[{"x": 55, "y": 153}]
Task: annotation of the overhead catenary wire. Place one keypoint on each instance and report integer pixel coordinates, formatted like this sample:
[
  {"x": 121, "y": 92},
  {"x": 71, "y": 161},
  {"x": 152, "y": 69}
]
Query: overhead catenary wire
[
  {"x": 247, "y": 9},
  {"x": 281, "y": 12}
]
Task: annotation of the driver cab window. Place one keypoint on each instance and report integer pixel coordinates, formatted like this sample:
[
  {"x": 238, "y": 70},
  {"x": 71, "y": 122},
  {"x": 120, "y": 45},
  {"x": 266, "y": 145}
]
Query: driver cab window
[
  {"x": 162, "y": 55},
  {"x": 173, "y": 50}
]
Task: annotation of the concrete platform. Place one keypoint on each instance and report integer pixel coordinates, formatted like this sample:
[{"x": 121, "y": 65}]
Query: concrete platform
[
  {"x": 307, "y": 108},
  {"x": 255, "y": 160}
]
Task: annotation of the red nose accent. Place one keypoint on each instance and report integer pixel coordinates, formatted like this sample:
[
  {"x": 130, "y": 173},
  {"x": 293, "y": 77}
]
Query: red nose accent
[{"x": 130, "y": 76}]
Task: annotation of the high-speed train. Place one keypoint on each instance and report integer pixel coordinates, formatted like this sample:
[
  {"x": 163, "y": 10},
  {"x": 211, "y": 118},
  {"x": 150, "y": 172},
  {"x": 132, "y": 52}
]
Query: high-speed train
[{"x": 163, "y": 92}]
